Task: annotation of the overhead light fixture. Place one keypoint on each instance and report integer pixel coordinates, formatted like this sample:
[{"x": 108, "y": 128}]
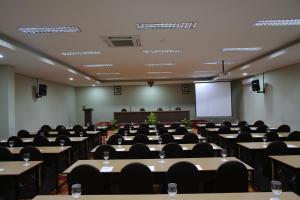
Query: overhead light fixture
[
  {"x": 71, "y": 79},
  {"x": 180, "y": 25},
  {"x": 1, "y": 56},
  {"x": 219, "y": 62},
  {"x": 55, "y": 29},
  {"x": 159, "y": 72},
  {"x": 278, "y": 53},
  {"x": 245, "y": 74},
  {"x": 46, "y": 60},
  {"x": 7, "y": 45},
  {"x": 72, "y": 71},
  {"x": 199, "y": 71},
  {"x": 93, "y": 85},
  {"x": 98, "y": 82},
  {"x": 81, "y": 53},
  {"x": 158, "y": 77},
  {"x": 99, "y": 65},
  {"x": 87, "y": 78},
  {"x": 160, "y": 65},
  {"x": 245, "y": 67},
  {"x": 241, "y": 49},
  {"x": 162, "y": 51},
  {"x": 114, "y": 79},
  {"x": 117, "y": 73},
  {"x": 278, "y": 22}
]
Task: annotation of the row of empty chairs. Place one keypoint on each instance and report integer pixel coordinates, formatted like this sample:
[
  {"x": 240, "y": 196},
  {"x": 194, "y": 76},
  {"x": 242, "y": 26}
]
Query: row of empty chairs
[
  {"x": 160, "y": 131},
  {"x": 144, "y": 110}
]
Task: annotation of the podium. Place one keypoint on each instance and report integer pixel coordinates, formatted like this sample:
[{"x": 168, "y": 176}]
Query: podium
[{"x": 87, "y": 115}]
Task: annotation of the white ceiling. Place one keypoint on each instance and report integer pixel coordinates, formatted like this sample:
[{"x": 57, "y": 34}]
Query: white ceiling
[{"x": 221, "y": 23}]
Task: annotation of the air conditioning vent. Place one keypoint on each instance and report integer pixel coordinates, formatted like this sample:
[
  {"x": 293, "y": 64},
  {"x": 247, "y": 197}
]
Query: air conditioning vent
[{"x": 122, "y": 41}]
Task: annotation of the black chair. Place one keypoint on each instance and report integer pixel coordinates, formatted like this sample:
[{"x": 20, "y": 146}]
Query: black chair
[
  {"x": 173, "y": 150},
  {"x": 79, "y": 133},
  {"x": 113, "y": 140},
  {"x": 90, "y": 178},
  {"x": 178, "y": 109},
  {"x": 272, "y": 136},
  {"x": 181, "y": 130},
  {"x": 274, "y": 148},
  {"x": 91, "y": 127},
  {"x": 245, "y": 129},
  {"x": 174, "y": 126},
  {"x": 5, "y": 154},
  {"x": 210, "y": 125},
  {"x": 124, "y": 110},
  {"x": 190, "y": 138},
  {"x": 139, "y": 151},
  {"x": 224, "y": 130},
  {"x": 294, "y": 136},
  {"x": 23, "y": 134},
  {"x": 242, "y": 123},
  {"x": 203, "y": 149},
  {"x": 60, "y": 127},
  {"x": 18, "y": 142},
  {"x": 40, "y": 140},
  {"x": 77, "y": 127},
  {"x": 35, "y": 153},
  {"x": 167, "y": 138},
  {"x": 185, "y": 175},
  {"x": 144, "y": 125},
  {"x": 105, "y": 147},
  {"x": 231, "y": 176},
  {"x": 244, "y": 137},
  {"x": 136, "y": 178},
  {"x": 141, "y": 138},
  {"x": 64, "y": 132},
  {"x": 142, "y": 110},
  {"x": 227, "y": 123},
  {"x": 143, "y": 130},
  {"x": 262, "y": 128},
  {"x": 159, "y": 109},
  {"x": 46, "y": 128},
  {"x": 284, "y": 128},
  {"x": 159, "y": 125},
  {"x": 162, "y": 130},
  {"x": 43, "y": 132},
  {"x": 65, "y": 138},
  {"x": 258, "y": 123}
]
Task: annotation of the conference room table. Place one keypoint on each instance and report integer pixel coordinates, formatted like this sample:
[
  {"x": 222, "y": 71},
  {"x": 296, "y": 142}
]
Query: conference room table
[
  {"x": 210, "y": 196},
  {"x": 122, "y": 151},
  {"x": 289, "y": 167},
  {"x": 11, "y": 172},
  {"x": 112, "y": 168}
]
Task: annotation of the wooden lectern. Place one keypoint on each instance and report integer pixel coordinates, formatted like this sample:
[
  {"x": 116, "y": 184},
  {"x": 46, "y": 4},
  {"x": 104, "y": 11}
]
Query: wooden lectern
[{"x": 87, "y": 116}]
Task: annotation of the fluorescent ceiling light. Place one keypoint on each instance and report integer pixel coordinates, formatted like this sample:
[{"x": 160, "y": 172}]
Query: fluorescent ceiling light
[
  {"x": 80, "y": 53},
  {"x": 7, "y": 45},
  {"x": 45, "y": 60},
  {"x": 160, "y": 65},
  {"x": 245, "y": 67},
  {"x": 278, "y": 53},
  {"x": 114, "y": 78},
  {"x": 162, "y": 51},
  {"x": 98, "y": 82},
  {"x": 117, "y": 73},
  {"x": 180, "y": 25},
  {"x": 87, "y": 78},
  {"x": 158, "y": 77},
  {"x": 219, "y": 63},
  {"x": 71, "y": 79},
  {"x": 241, "y": 49},
  {"x": 1, "y": 56},
  {"x": 198, "y": 71},
  {"x": 245, "y": 74},
  {"x": 99, "y": 65},
  {"x": 72, "y": 71},
  {"x": 159, "y": 72},
  {"x": 56, "y": 29},
  {"x": 278, "y": 22}
]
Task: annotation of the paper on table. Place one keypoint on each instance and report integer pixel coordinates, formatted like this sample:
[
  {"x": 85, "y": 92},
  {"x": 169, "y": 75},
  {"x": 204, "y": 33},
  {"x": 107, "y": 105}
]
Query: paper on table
[
  {"x": 177, "y": 138},
  {"x": 106, "y": 169},
  {"x": 151, "y": 138},
  {"x": 184, "y": 148},
  {"x": 291, "y": 146},
  {"x": 152, "y": 149},
  {"x": 120, "y": 149},
  {"x": 152, "y": 168},
  {"x": 199, "y": 167}
]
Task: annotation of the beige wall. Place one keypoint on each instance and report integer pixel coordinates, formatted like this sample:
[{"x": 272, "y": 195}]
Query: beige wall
[
  {"x": 281, "y": 102},
  {"x": 58, "y": 107}
]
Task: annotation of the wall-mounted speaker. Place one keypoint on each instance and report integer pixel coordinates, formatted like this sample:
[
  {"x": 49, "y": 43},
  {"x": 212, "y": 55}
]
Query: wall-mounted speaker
[
  {"x": 255, "y": 85},
  {"x": 41, "y": 90}
]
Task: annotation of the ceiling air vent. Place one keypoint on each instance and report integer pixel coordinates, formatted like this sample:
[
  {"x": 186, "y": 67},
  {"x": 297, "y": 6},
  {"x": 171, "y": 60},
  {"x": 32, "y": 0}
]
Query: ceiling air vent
[{"x": 122, "y": 41}]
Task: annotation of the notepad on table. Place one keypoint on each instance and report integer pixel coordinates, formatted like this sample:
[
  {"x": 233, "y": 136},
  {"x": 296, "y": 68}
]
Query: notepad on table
[
  {"x": 106, "y": 169},
  {"x": 199, "y": 167},
  {"x": 120, "y": 149},
  {"x": 152, "y": 168}
]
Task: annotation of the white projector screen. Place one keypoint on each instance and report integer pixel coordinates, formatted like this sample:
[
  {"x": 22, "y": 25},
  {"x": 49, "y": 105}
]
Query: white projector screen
[{"x": 213, "y": 99}]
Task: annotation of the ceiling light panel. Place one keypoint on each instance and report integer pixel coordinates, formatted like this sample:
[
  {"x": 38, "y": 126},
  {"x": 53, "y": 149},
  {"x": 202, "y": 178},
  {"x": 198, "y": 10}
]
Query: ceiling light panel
[
  {"x": 45, "y": 60},
  {"x": 117, "y": 73},
  {"x": 160, "y": 65},
  {"x": 1, "y": 56},
  {"x": 278, "y": 22},
  {"x": 71, "y": 79},
  {"x": 153, "y": 26},
  {"x": 278, "y": 53},
  {"x": 87, "y": 78},
  {"x": 241, "y": 49},
  {"x": 55, "y": 29},
  {"x": 72, "y": 71},
  {"x": 7, "y": 45},
  {"x": 162, "y": 51},
  {"x": 81, "y": 53},
  {"x": 114, "y": 79},
  {"x": 99, "y": 65},
  {"x": 245, "y": 67},
  {"x": 159, "y": 72},
  {"x": 219, "y": 63}
]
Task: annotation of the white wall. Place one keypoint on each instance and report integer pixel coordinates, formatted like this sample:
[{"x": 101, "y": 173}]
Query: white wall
[
  {"x": 281, "y": 102},
  {"x": 58, "y": 107}
]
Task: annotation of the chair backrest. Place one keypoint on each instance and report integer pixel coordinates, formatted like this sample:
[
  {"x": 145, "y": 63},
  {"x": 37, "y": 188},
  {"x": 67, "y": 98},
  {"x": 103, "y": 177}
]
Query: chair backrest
[
  {"x": 77, "y": 127},
  {"x": 262, "y": 128},
  {"x": 144, "y": 125},
  {"x": 143, "y": 130},
  {"x": 59, "y": 127},
  {"x": 79, "y": 133},
  {"x": 210, "y": 125},
  {"x": 35, "y": 153},
  {"x": 91, "y": 127},
  {"x": 167, "y": 138},
  {"x": 245, "y": 129},
  {"x": 142, "y": 110},
  {"x": 141, "y": 138},
  {"x": 40, "y": 140},
  {"x": 174, "y": 126},
  {"x": 90, "y": 178},
  {"x": 43, "y": 132},
  {"x": 64, "y": 132},
  {"x": 258, "y": 123},
  {"x": 162, "y": 130},
  {"x": 113, "y": 140},
  {"x": 203, "y": 149},
  {"x": 136, "y": 178},
  {"x": 159, "y": 109},
  {"x": 173, "y": 150},
  {"x": 227, "y": 123},
  {"x": 272, "y": 136},
  {"x": 178, "y": 109},
  {"x": 5, "y": 154},
  {"x": 124, "y": 110},
  {"x": 185, "y": 175},
  {"x": 231, "y": 176},
  {"x": 18, "y": 142},
  {"x": 181, "y": 130},
  {"x": 244, "y": 137},
  {"x": 67, "y": 140},
  {"x": 23, "y": 134},
  {"x": 190, "y": 138},
  {"x": 284, "y": 128},
  {"x": 294, "y": 136},
  {"x": 139, "y": 151},
  {"x": 242, "y": 123},
  {"x": 224, "y": 130},
  {"x": 159, "y": 125},
  {"x": 105, "y": 147},
  {"x": 46, "y": 128}
]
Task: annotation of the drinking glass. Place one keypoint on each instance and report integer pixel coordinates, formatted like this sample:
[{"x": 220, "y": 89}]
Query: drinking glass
[
  {"x": 80, "y": 134},
  {"x": 76, "y": 190},
  {"x": 276, "y": 188},
  {"x": 62, "y": 143},
  {"x": 159, "y": 140},
  {"x": 126, "y": 133},
  {"x": 119, "y": 141},
  {"x": 106, "y": 156},
  {"x": 172, "y": 190},
  {"x": 26, "y": 157},
  {"x": 162, "y": 156},
  {"x": 11, "y": 144},
  {"x": 264, "y": 138},
  {"x": 224, "y": 153}
]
